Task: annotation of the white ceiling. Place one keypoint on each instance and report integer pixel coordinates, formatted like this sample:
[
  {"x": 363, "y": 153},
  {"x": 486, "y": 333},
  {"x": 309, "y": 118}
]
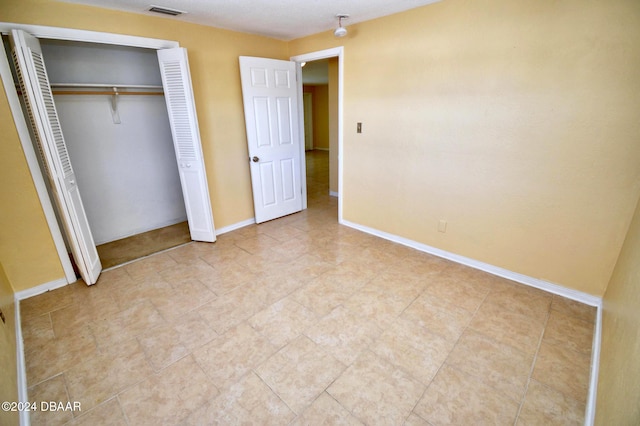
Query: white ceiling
[{"x": 280, "y": 19}]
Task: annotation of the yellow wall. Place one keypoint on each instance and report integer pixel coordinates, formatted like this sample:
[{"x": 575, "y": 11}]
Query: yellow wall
[
  {"x": 619, "y": 378},
  {"x": 516, "y": 122},
  {"x": 8, "y": 360},
  {"x": 26, "y": 247},
  {"x": 213, "y": 60},
  {"x": 320, "y": 114}
]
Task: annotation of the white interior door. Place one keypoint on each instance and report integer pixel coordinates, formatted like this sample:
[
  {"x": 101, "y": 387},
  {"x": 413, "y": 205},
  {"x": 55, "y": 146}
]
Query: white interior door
[
  {"x": 50, "y": 141},
  {"x": 270, "y": 94},
  {"x": 178, "y": 93}
]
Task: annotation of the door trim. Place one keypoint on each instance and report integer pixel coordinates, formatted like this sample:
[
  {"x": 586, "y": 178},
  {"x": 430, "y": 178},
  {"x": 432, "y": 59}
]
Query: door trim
[
  {"x": 336, "y": 52},
  {"x": 21, "y": 122}
]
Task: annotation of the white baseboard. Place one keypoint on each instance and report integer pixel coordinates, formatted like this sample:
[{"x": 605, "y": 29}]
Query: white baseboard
[
  {"x": 333, "y": 194},
  {"x": 590, "y": 415},
  {"x": 21, "y": 367},
  {"x": 569, "y": 293},
  {"x": 235, "y": 226},
  {"x": 42, "y": 288}
]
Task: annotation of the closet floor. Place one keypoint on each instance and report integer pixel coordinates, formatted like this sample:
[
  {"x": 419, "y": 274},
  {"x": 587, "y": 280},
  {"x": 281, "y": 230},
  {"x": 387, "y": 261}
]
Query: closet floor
[{"x": 141, "y": 245}]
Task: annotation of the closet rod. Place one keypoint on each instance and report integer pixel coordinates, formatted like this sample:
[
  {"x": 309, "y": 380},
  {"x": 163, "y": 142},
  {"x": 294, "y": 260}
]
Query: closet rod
[
  {"x": 104, "y": 92},
  {"x": 108, "y": 86}
]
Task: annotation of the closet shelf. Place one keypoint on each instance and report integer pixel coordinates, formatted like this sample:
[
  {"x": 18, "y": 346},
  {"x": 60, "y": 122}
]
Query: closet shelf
[{"x": 106, "y": 89}]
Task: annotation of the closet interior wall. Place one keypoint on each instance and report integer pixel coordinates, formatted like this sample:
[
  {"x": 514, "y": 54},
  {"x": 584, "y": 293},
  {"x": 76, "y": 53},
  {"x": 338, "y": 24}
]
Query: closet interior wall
[{"x": 120, "y": 146}]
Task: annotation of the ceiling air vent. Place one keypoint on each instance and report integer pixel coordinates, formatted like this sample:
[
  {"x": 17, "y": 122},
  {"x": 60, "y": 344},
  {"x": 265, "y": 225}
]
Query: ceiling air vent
[{"x": 165, "y": 10}]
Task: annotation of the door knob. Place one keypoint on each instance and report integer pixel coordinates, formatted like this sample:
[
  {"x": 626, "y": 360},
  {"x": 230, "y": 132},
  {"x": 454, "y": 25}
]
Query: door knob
[{"x": 255, "y": 159}]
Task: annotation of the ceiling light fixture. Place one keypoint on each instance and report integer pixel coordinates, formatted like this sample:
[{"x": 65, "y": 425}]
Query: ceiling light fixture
[{"x": 341, "y": 31}]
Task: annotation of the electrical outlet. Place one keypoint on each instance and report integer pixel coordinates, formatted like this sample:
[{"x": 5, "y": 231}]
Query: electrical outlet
[{"x": 442, "y": 226}]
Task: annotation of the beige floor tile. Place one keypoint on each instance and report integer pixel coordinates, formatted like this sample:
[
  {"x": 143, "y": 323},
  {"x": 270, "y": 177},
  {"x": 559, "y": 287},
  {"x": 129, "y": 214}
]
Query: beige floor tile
[
  {"x": 46, "y": 302},
  {"x": 221, "y": 412},
  {"x": 150, "y": 265},
  {"x": 186, "y": 270},
  {"x": 37, "y": 330},
  {"x": 126, "y": 325},
  {"x": 259, "y": 400},
  {"x": 376, "y": 392},
  {"x": 570, "y": 332},
  {"x": 508, "y": 327},
  {"x": 108, "y": 413},
  {"x": 185, "y": 297},
  {"x": 73, "y": 318},
  {"x": 140, "y": 290},
  {"x": 455, "y": 398},
  {"x": 308, "y": 265},
  {"x": 100, "y": 377},
  {"x": 343, "y": 334},
  {"x": 229, "y": 310},
  {"x": 429, "y": 312},
  {"x": 450, "y": 289},
  {"x": 325, "y": 293},
  {"x": 299, "y": 372},
  {"x": 326, "y": 411},
  {"x": 54, "y": 356},
  {"x": 219, "y": 254},
  {"x": 227, "y": 276},
  {"x": 283, "y": 321},
  {"x": 53, "y": 389},
  {"x": 162, "y": 346},
  {"x": 574, "y": 309},
  {"x": 169, "y": 396},
  {"x": 194, "y": 331},
  {"x": 414, "y": 349},
  {"x": 498, "y": 365},
  {"x": 543, "y": 405},
  {"x": 257, "y": 244},
  {"x": 233, "y": 354},
  {"x": 415, "y": 420},
  {"x": 378, "y": 305},
  {"x": 400, "y": 283},
  {"x": 521, "y": 299},
  {"x": 564, "y": 370}
]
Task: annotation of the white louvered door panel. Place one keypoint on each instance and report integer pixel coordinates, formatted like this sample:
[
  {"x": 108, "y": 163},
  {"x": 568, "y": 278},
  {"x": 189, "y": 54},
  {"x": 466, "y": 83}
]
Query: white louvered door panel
[
  {"x": 176, "y": 79},
  {"x": 51, "y": 145},
  {"x": 270, "y": 96}
]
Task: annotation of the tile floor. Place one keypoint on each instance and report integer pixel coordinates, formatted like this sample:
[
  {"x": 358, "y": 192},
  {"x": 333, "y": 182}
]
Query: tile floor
[{"x": 303, "y": 321}]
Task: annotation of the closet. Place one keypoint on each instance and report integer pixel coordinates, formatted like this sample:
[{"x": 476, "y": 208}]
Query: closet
[
  {"x": 113, "y": 115},
  {"x": 117, "y": 135}
]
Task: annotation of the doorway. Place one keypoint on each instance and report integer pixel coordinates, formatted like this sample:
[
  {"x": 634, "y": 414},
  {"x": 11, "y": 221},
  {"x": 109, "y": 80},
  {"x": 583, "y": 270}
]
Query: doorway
[{"x": 334, "y": 60}]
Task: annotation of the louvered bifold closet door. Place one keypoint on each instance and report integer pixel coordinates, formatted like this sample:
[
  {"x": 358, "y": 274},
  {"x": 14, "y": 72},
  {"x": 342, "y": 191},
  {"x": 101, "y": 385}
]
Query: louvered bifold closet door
[
  {"x": 178, "y": 93},
  {"x": 51, "y": 145}
]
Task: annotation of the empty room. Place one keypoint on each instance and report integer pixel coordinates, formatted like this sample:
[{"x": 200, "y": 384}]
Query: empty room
[{"x": 456, "y": 240}]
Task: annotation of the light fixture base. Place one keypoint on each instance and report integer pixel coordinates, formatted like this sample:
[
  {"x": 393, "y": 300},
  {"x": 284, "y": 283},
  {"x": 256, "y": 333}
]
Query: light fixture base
[{"x": 341, "y": 31}]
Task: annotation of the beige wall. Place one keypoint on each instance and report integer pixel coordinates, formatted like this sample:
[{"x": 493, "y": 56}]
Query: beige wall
[
  {"x": 213, "y": 59},
  {"x": 26, "y": 247},
  {"x": 516, "y": 122},
  {"x": 8, "y": 361},
  {"x": 320, "y": 112},
  {"x": 619, "y": 378}
]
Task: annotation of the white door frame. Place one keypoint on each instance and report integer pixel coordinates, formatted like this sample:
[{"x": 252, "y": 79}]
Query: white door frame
[
  {"x": 336, "y": 52},
  {"x": 21, "y": 124}
]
